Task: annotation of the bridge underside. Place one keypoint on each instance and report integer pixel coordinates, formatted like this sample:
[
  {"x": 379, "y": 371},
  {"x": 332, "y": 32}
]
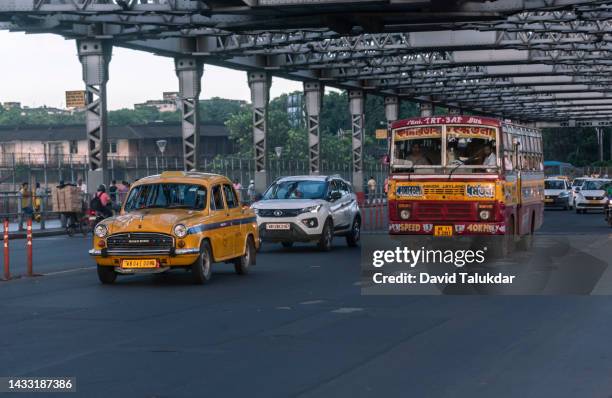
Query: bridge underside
[{"x": 539, "y": 61}]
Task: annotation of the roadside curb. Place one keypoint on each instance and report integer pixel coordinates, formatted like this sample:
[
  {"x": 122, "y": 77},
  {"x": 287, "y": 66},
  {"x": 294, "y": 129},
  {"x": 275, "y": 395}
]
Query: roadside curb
[{"x": 37, "y": 233}]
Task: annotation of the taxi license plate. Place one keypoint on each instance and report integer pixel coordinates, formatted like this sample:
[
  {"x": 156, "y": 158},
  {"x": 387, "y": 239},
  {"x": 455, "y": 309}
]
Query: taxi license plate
[
  {"x": 139, "y": 264},
  {"x": 443, "y": 230},
  {"x": 548, "y": 200},
  {"x": 278, "y": 226}
]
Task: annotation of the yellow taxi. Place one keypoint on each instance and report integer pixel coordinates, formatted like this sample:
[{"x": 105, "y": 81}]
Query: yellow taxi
[{"x": 187, "y": 220}]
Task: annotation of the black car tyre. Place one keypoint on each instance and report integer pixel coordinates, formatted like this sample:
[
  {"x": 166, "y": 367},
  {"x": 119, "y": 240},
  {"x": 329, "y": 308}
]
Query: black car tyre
[
  {"x": 327, "y": 236},
  {"x": 106, "y": 275},
  {"x": 352, "y": 239},
  {"x": 201, "y": 270},
  {"x": 243, "y": 263}
]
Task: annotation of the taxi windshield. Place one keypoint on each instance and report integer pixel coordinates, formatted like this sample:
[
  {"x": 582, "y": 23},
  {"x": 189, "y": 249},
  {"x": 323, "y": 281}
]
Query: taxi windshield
[
  {"x": 303, "y": 189},
  {"x": 165, "y": 195},
  {"x": 554, "y": 184}
]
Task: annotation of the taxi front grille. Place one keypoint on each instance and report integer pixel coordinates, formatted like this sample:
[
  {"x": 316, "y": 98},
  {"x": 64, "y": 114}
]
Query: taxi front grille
[
  {"x": 594, "y": 197},
  {"x": 445, "y": 212},
  {"x": 140, "y": 241},
  {"x": 456, "y": 190}
]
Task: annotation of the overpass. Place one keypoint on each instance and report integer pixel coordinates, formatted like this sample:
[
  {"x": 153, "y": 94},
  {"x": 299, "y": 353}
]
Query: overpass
[{"x": 545, "y": 62}]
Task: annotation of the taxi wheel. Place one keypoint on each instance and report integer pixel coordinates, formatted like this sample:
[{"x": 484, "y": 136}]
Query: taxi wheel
[
  {"x": 353, "y": 237},
  {"x": 107, "y": 275},
  {"x": 327, "y": 236},
  {"x": 242, "y": 263},
  {"x": 201, "y": 270}
]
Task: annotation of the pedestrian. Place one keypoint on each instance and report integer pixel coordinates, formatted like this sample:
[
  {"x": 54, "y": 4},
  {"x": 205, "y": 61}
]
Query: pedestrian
[
  {"x": 237, "y": 187},
  {"x": 122, "y": 190},
  {"x": 101, "y": 202},
  {"x": 371, "y": 188},
  {"x": 39, "y": 194},
  {"x": 251, "y": 193},
  {"x": 112, "y": 191},
  {"x": 80, "y": 184},
  {"x": 26, "y": 200}
]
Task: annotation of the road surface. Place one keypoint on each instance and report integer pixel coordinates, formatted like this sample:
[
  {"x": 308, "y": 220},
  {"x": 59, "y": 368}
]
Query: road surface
[{"x": 297, "y": 326}]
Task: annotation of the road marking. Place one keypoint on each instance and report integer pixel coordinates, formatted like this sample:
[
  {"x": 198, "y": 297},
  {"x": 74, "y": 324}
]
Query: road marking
[
  {"x": 347, "y": 310},
  {"x": 283, "y": 308},
  {"x": 312, "y": 302},
  {"x": 66, "y": 271}
]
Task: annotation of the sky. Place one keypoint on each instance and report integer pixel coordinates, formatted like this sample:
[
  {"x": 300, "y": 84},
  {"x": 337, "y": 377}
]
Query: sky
[{"x": 36, "y": 70}]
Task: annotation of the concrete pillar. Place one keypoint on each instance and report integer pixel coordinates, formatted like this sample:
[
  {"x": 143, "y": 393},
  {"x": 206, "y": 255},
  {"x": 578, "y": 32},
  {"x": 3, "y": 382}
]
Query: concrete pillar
[
  {"x": 189, "y": 72},
  {"x": 356, "y": 106},
  {"x": 95, "y": 55},
  {"x": 313, "y": 96},
  {"x": 427, "y": 109},
  {"x": 260, "y": 82}
]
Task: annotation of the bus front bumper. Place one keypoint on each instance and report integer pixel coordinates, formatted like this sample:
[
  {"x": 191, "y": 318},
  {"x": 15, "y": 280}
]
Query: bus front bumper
[{"x": 459, "y": 228}]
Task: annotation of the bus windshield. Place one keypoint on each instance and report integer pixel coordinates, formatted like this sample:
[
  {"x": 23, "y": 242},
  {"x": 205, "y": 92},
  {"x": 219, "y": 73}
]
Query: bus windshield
[
  {"x": 421, "y": 148},
  {"x": 417, "y": 146}
]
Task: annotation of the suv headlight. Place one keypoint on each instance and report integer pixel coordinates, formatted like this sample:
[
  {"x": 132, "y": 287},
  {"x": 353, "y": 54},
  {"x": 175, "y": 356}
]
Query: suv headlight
[
  {"x": 311, "y": 209},
  {"x": 101, "y": 230},
  {"x": 180, "y": 230}
]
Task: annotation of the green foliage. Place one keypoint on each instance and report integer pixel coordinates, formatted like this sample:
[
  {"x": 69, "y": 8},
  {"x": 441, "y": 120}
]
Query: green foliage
[{"x": 577, "y": 146}]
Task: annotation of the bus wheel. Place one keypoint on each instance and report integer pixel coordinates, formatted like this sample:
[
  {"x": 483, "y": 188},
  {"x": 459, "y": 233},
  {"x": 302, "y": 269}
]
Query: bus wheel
[
  {"x": 504, "y": 245},
  {"x": 526, "y": 241}
]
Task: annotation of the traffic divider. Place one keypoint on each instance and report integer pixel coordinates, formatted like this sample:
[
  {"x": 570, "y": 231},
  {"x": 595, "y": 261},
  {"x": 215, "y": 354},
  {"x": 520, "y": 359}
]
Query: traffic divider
[{"x": 7, "y": 269}]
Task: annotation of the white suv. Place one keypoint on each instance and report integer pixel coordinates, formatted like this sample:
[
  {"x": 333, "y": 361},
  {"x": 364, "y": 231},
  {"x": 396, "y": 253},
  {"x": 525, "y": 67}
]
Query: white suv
[{"x": 308, "y": 209}]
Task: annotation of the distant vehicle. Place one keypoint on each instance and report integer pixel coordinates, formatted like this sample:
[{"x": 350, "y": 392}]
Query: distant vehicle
[
  {"x": 576, "y": 184},
  {"x": 185, "y": 220},
  {"x": 309, "y": 209},
  {"x": 553, "y": 168},
  {"x": 608, "y": 208},
  {"x": 591, "y": 195},
  {"x": 557, "y": 193}
]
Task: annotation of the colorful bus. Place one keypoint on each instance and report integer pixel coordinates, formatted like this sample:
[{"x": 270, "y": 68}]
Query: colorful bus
[{"x": 466, "y": 176}]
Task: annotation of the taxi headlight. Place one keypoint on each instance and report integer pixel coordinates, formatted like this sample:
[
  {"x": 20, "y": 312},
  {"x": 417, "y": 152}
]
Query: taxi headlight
[
  {"x": 484, "y": 214},
  {"x": 101, "y": 230},
  {"x": 405, "y": 214},
  {"x": 180, "y": 230}
]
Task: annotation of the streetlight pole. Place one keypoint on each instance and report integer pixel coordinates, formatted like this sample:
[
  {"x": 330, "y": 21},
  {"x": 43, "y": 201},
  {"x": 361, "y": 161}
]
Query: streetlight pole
[
  {"x": 161, "y": 145},
  {"x": 279, "y": 152}
]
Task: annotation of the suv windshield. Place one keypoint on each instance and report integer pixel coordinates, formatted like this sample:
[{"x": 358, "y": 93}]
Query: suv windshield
[
  {"x": 554, "y": 184},
  {"x": 184, "y": 196},
  {"x": 577, "y": 182},
  {"x": 592, "y": 185},
  {"x": 303, "y": 189}
]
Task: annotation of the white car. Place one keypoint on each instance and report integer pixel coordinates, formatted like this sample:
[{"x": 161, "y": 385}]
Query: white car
[
  {"x": 576, "y": 184},
  {"x": 309, "y": 209},
  {"x": 591, "y": 196},
  {"x": 557, "y": 193}
]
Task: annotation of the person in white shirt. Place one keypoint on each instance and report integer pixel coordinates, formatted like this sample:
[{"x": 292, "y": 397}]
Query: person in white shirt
[{"x": 490, "y": 158}]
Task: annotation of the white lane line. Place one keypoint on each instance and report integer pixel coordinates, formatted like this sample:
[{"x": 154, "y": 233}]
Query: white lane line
[
  {"x": 347, "y": 310},
  {"x": 312, "y": 302},
  {"x": 66, "y": 271},
  {"x": 283, "y": 308}
]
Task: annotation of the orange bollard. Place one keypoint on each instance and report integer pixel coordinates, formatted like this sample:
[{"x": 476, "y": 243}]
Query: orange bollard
[
  {"x": 29, "y": 248},
  {"x": 7, "y": 272}
]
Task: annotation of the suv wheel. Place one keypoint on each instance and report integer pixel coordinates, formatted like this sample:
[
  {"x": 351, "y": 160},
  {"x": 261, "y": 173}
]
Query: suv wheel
[
  {"x": 327, "y": 236},
  {"x": 242, "y": 263},
  {"x": 201, "y": 269},
  {"x": 287, "y": 244},
  {"x": 353, "y": 237}
]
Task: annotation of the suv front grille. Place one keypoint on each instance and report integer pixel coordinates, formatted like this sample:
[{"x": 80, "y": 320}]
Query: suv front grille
[
  {"x": 140, "y": 241},
  {"x": 594, "y": 197},
  {"x": 279, "y": 212}
]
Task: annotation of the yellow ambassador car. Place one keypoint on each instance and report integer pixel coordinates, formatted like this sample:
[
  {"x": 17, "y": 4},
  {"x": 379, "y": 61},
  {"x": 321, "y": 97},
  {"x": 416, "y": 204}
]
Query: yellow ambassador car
[{"x": 185, "y": 220}]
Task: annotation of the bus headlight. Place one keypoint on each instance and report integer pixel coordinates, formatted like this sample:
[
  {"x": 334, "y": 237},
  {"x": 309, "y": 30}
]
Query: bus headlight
[
  {"x": 484, "y": 214},
  {"x": 404, "y": 214}
]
